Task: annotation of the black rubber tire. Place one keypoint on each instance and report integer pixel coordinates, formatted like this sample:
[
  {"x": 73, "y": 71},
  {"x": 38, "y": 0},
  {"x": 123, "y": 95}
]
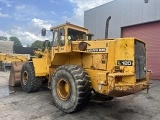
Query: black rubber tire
[
  {"x": 80, "y": 88},
  {"x": 34, "y": 83}
]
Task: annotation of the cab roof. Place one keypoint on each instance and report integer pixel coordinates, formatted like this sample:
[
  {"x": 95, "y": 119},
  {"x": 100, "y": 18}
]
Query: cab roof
[{"x": 69, "y": 25}]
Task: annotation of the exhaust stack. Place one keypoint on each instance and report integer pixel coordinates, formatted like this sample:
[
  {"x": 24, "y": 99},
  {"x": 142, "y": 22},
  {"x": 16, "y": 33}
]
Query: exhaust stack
[{"x": 107, "y": 25}]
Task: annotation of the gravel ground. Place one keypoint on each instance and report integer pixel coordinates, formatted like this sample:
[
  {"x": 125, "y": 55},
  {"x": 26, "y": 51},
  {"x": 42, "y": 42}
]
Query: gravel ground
[{"x": 15, "y": 104}]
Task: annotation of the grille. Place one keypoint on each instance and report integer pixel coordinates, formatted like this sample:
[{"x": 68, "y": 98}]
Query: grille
[{"x": 140, "y": 60}]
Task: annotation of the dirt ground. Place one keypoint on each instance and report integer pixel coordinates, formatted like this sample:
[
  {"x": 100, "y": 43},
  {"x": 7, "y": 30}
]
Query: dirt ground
[{"x": 15, "y": 104}]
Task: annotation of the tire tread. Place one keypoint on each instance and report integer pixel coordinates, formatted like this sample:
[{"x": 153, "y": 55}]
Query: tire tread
[{"x": 83, "y": 86}]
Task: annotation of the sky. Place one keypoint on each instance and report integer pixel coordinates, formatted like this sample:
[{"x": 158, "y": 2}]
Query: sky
[{"x": 24, "y": 19}]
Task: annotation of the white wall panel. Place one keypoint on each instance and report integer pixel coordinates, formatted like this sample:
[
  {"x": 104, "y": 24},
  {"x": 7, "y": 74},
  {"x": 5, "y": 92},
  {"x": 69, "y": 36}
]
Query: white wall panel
[
  {"x": 126, "y": 10},
  {"x": 137, "y": 11},
  {"x": 157, "y": 9},
  {"x": 149, "y": 11}
]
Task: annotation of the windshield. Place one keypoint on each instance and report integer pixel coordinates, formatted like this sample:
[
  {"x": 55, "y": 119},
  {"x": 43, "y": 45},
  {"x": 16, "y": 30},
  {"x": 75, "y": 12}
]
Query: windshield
[{"x": 76, "y": 35}]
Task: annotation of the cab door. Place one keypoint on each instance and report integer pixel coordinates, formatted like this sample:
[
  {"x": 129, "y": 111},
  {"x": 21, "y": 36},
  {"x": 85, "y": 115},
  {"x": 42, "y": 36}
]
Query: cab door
[
  {"x": 59, "y": 42},
  {"x": 62, "y": 40},
  {"x": 55, "y": 41},
  {"x": 54, "y": 44}
]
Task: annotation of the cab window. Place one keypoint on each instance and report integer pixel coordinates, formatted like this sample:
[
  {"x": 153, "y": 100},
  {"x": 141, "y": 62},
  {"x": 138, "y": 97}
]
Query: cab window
[
  {"x": 62, "y": 37},
  {"x": 76, "y": 35},
  {"x": 55, "y": 38}
]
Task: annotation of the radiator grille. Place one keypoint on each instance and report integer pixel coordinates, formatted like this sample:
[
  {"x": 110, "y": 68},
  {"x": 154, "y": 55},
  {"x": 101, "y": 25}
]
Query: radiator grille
[{"x": 140, "y": 60}]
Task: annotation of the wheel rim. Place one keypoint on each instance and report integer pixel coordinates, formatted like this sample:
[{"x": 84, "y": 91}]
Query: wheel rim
[
  {"x": 25, "y": 78},
  {"x": 63, "y": 89}
]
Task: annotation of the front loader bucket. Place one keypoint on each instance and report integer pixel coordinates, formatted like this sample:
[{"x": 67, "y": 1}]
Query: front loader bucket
[{"x": 15, "y": 74}]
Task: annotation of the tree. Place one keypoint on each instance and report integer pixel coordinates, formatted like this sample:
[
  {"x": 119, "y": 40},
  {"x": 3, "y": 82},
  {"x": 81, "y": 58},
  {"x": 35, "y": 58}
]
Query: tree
[
  {"x": 37, "y": 44},
  {"x": 3, "y": 38},
  {"x": 16, "y": 41}
]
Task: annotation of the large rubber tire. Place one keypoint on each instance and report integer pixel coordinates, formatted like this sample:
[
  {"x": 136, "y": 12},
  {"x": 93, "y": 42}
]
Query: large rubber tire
[
  {"x": 29, "y": 82},
  {"x": 79, "y": 88}
]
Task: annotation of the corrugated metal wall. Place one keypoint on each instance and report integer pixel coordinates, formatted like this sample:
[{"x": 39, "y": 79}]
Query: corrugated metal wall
[
  {"x": 123, "y": 13},
  {"x": 150, "y": 33}
]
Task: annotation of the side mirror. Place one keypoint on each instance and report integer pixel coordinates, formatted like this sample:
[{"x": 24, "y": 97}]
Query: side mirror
[{"x": 43, "y": 32}]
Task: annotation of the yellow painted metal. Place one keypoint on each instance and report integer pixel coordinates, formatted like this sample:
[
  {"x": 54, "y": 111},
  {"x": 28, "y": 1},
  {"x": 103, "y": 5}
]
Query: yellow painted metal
[
  {"x": 103, "y": 44},
  {"x": 63, "y": 89},
  {"x": 12, "y": 57},
  {"x": 125, "y": 51},
  {"x": 99, "y": 60},
  {"x": 99, "y": 80},
  {"x": 69, "y": 25},
  {"x": 42, "y": 65}
]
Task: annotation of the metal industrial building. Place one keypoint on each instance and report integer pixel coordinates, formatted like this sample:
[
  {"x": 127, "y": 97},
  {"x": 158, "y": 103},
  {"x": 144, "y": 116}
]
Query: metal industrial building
[{"x": 130, "y": 18}]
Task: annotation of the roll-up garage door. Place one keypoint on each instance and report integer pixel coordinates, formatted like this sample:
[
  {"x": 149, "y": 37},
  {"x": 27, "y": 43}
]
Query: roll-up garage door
[{"x": 150, "y": 33}]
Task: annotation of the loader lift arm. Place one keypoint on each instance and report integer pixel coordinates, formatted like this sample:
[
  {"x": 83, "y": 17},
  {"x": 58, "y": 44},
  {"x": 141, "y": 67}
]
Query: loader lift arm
[{"x": 12, "y": 58}]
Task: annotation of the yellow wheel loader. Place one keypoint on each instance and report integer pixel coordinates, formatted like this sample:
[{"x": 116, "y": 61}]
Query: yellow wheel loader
[{"x": 75, "y": 65}]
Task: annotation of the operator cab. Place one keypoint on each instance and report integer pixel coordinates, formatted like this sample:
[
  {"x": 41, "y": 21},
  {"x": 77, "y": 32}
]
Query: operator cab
[
  {"x": 68, "y": 32},
  {"x": 64, "y": 35}
]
